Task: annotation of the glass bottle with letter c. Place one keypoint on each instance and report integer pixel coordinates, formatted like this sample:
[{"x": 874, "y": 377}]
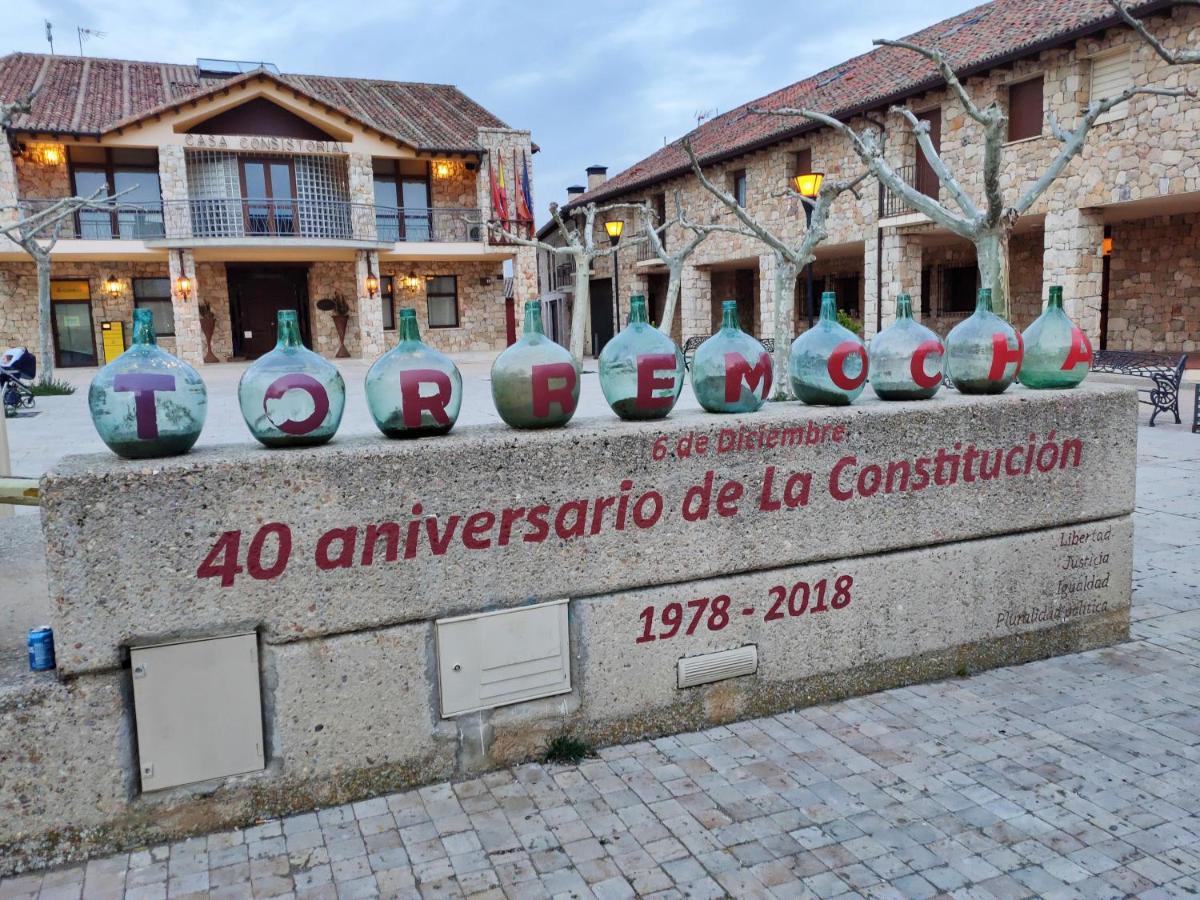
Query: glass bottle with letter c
[
  {"x": 146, "y": 402},
  {"x": 535, "y": 382},
  {"x": 413, "y": 390},
  {"x": 731, "y": 371},
  {"x": 641, "y": 369},
  {"x": 983, "y": 351},
  {"x": 291, "y": 397},
  {"x": 905, "y": 358},
  {"x": 1057, "y": 352},
  {"x": 828, "y": 363}
]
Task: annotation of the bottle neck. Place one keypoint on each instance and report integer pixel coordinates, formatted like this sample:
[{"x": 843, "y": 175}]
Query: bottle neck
[
  {"x": 637, "y": 311},
  {"x": 289, "y": 330},
  {"x": 828, "y": 308},
  {"x": 904, "y": 307},
  {"x": 1055, "y": 301},
  {"x": 409, "y": 331},
  {"x": 983, "y": 302},
  {"x": 729, "y": 318},
  {"x": 533, "y": 318},
  {"x": 143, "y": 328}
]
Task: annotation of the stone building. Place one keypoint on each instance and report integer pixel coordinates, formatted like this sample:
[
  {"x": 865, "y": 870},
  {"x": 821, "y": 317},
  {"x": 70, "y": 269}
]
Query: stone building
[
  {"x": 1120, "y": 229},
  {"x": 267, "y": 191}
]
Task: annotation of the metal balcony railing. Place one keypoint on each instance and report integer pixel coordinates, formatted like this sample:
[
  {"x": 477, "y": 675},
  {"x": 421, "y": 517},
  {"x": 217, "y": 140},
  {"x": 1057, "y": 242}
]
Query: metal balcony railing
[
  {"x": 114, "y": 221},
  {"x": 920, "y": 177},
  {"x": 446, "y": 224},
  {"x": 645, "y": 249}
]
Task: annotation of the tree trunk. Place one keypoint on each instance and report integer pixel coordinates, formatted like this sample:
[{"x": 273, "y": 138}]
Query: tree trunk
[
  {"x": 582, "y": 302},
  {"x": 991, "y": 251},
  {"x": 45, "y": 340},
  {"x": 674, "y": 286},
  {"x": 785, "y": 290}
]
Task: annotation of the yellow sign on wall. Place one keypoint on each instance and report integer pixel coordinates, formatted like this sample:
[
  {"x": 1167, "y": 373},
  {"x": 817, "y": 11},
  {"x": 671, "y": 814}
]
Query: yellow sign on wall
[
  {"x": 70, "y": 289},
  {"x": 113, "y": 336}
]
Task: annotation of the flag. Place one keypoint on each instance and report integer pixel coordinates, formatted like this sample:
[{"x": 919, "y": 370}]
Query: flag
[
  {"x": 503, "y": 211},
  {"x": 525, "y": 197},
  {"x": 499, "y": 208}
]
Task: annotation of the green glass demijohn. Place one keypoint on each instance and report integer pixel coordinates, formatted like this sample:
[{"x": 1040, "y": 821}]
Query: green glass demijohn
[
  {"x": 146, "y": 402},
  {"x": 291, "y": 397},
  {"x": 641, "y": 369},
  {"x": 731, "y": 371},
  {"x": 1057, "y": 352},
  {"x": 535, "y": 382},
  {"x": 983, "y": 351},
  {"x": 413, "y": 390},
  {"x": 828, "y": 362},
  {"x": 905, "y": 358}
]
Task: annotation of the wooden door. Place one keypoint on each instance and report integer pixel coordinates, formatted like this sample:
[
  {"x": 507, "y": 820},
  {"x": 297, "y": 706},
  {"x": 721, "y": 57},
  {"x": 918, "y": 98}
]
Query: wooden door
[
  {"x": 258, "y": 295},
  {"x": 927, "y": 180}
]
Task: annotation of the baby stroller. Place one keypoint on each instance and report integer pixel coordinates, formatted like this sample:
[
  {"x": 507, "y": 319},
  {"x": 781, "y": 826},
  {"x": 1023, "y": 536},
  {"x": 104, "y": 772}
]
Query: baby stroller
[{"x": 17, "y": 367}]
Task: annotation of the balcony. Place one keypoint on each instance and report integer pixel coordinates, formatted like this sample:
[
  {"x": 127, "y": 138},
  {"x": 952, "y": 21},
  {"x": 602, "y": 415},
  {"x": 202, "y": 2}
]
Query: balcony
[
  {"x": 645, "y": 249},
  {"x": 919, "y": 176},
  {"x": 114, "y": 222}
]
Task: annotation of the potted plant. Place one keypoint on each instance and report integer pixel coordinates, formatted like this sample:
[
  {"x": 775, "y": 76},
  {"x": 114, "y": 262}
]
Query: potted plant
[
  {"x": 208, "y": 324},
  {"x": 340, "y": 310}
]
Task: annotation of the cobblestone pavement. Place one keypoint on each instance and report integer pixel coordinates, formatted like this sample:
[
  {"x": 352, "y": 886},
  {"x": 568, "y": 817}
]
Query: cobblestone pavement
[{"x": 1073, "y": 777}]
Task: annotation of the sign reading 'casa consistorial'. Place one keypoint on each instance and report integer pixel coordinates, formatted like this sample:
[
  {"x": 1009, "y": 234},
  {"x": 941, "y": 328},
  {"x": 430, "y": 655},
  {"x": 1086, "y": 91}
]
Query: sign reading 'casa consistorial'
[
  {"x": 262, "y": 144},
  {"x": 369, "y": 532}
]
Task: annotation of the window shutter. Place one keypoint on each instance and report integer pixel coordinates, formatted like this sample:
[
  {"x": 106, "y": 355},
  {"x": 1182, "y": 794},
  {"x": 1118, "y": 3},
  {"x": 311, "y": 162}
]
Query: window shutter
[
  {"x": 1110, "y": 76},
  {"x": 1025, "y": 109}
]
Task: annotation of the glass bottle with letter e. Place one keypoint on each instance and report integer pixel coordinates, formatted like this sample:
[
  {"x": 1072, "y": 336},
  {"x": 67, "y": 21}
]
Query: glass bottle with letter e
[
  {"x": 1057, "y": 352},
  {"x": 535, "y": 382},
  {"x": 731, "y": 371},
  {"x": 828, "y": 363},
  {"x": 413, "y": 390},
  {"x": 291, "y": 397},
  {"x": 905, "y": 358},
  {"x": 983, "y": 351},
  {"x": 641, "y": 369},
  {"x": 146, "y": 402}
]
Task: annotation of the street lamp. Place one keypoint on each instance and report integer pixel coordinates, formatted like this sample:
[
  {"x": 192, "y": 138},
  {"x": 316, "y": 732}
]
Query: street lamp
[
  {"x": 112, "y": 286},
  {"x": 808, "y": 186},
  {"x": 372, "y": 283},
  {"x": 614, "y": 227}
]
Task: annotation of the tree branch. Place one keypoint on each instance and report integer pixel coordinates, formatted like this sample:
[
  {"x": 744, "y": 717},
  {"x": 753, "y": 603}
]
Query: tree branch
[
  {"x": 1173, "y": 57},
  {"x": 982, "y": 116},
  {"x": 921, "y": 130}
]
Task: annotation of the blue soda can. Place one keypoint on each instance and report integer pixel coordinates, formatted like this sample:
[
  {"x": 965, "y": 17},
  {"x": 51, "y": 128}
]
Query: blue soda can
[{"x": 41, "y": 649}]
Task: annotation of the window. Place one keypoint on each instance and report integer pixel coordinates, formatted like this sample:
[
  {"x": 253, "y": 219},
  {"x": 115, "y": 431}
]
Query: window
[
  {"x": 660, "y": 216},
  {"x": 441, "y": 294},
  {"x": 1110, "y": 76},
  {"x": 154, "y": 294},
  {"x": 737, "y": 181},
  {"x": 846, "y": 287},
  {"x": 133, "y": 172},
  {"x": 959, "y": 285},
  {"x": 1025, "y": 109},
  {"x": 387, "y": 296}
]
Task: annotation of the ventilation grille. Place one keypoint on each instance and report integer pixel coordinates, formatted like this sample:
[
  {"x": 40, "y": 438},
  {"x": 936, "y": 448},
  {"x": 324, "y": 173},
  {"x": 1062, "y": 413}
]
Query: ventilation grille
[{"x": 694, "y": 670}]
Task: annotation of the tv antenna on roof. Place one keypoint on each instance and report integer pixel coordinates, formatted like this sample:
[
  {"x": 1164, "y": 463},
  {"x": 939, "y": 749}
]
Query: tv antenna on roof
[
  {"x": 50, "y": 36},
  {"x": 84, "y": 34},
  {"x": 702, "y": 115}
]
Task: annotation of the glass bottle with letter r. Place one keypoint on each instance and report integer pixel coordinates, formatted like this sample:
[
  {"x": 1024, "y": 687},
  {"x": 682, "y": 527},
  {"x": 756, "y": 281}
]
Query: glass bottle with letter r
[
  {"x": 413, "y": 390},
  {"x": 146, "y": 402},
  {"x": 291, "y": 397},
  {"x": 535, "y": 382},
  {"x": 641, "y": 369},
  {"x": 731, "y": 371},
  {"x": 828, "y": 363}
]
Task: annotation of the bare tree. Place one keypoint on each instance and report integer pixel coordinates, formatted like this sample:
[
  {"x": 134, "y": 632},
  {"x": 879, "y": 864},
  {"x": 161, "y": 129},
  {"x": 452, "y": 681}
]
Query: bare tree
[
  {"x": 581, "y": 247},
  {"x": 789, "y": 260},
  {"x": 674, "y": 262},
  {"x": 1172, "y": 57},
  {"x": 989, "y": 227}
]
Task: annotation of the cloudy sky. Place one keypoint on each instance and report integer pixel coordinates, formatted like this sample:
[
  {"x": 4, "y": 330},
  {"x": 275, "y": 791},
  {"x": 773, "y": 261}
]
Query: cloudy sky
[{"x": 598, "y": 83}]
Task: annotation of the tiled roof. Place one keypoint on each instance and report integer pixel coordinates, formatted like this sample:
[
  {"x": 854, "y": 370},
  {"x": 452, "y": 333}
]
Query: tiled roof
[
  {"x": 972, "y": 41},
  {"x": 83, "y": 95}
]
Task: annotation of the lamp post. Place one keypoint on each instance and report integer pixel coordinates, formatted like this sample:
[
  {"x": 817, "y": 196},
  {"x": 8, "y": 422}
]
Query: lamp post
[
  {"x": 614, "y": 227},
  {"x": 808, "y": 186}
]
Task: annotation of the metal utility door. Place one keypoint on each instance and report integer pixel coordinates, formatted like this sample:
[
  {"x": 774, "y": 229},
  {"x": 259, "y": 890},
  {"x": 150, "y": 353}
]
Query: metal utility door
[{"x": 198, "y": 710}]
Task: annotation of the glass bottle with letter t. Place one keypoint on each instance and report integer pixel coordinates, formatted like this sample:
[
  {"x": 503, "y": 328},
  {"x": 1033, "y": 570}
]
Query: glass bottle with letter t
[
  {"x": 413, "y": 390},
  {"x": 535, "y": 382},
  {"x": 146, "y": 402},
  {"x": 641, "y": 369}
]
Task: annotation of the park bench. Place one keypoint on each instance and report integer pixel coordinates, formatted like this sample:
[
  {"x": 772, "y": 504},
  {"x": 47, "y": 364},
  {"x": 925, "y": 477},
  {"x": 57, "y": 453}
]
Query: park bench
[
  {"x": 1164, "y": 369},
  {"x": 692, "y": 343}
]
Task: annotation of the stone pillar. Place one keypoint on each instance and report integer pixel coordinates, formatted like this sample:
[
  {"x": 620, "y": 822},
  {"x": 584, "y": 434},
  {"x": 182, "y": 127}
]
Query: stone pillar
[
  {"x": 870, "y": 322},
  {"x": 189, "y": 339},
  {"x": 370, "y": 309},
  {"x": 1074, "y": 258},
  {"x": 8, "y": 187},
  {"x": 766, "y": 298},
  {"x": 695, "y": 302},
  {"x": 173, "y": 186},
  {"x": 900, "y": 272},
  {"x": 362, "y": 197}
]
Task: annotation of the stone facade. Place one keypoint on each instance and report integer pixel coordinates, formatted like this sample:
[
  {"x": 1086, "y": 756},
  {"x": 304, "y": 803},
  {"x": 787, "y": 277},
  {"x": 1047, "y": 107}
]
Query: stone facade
[
  {"x": 481, "y": 307},
  {"x": 1155, "y": 285}
]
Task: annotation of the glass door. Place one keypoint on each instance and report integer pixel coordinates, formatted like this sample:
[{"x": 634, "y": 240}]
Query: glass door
[
  {"x": 74, "y": 342},
  {"x": 387, "y": 212},
  {"x": 417, "y": 224},
  {"x": 269, "y": 197}
]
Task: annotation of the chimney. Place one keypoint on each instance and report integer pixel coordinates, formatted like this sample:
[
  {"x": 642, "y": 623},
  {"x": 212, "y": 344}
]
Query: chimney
[
  {"x": 574, "y": 191},
  {"x": 597, "y": 175}
]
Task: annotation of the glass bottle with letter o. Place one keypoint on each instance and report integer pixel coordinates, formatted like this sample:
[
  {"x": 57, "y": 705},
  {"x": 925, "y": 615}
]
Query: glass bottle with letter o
[
  {"x": 146, "y": 402},
  {"x": 731, "y": 371},
  {"x": 983, "y": 351},
  {"x": 291, "y": 397},
  {"x": 1057, "y": 352},
  {"x": 413, "y": 390},
  {"x": 641, "y": 369},
  {"x": 828, "y": 363},
  {"x": 535, "y": 382},
  {"x": 905, "y": 358}
]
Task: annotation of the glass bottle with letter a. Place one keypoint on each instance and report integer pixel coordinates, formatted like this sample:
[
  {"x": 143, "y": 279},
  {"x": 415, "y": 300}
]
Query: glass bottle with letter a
[
  {"x": 906, "y": 358},
  {"x": 828, "y": 363},
  {"x": 146, "y": 402},
  {"x": 535, "y": 382},
  {"x": 731, "y": 371},
  {"x": 291, "y": 397},
  {"x": 983, "y": 351},
  {"x": 1057, "y": 352},
  {"x": 641, "y": 369},
  {"x": 413, "y": 390}
]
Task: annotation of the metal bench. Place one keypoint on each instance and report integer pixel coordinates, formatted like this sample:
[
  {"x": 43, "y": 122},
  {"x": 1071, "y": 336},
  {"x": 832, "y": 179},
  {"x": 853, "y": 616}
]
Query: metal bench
[
  {"x": 1164, "y": 369},
  {"x": 690, "y": 345}
]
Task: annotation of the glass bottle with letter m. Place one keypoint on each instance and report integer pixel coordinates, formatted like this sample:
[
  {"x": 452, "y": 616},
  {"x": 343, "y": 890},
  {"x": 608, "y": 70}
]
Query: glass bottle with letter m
[{"x": 146, "y": 402}]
